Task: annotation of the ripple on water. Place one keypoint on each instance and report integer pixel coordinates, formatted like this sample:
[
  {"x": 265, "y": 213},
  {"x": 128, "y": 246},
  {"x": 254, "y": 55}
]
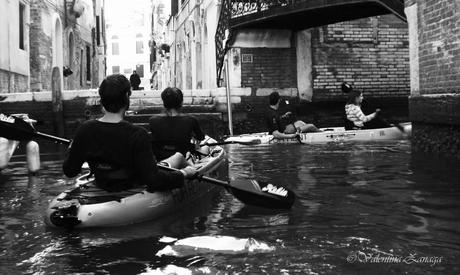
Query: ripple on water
[{"x": 375, "y": 199}]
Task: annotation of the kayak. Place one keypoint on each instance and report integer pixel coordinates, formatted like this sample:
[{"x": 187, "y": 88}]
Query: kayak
[
  {"x": 88, "y": 206},
  {"x": 334, "y": 134}
]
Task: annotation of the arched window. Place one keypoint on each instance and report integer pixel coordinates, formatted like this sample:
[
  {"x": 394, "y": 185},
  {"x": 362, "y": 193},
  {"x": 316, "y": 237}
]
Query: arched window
[{"x": 115, "y": 45}]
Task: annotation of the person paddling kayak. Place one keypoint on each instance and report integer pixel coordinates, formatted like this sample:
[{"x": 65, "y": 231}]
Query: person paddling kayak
[
  {"x": 276, "y": 125},
  {"x": 354, "y": 113},
  {"x": 173, "y": 131},
  {"x": 118, "y": 152}
]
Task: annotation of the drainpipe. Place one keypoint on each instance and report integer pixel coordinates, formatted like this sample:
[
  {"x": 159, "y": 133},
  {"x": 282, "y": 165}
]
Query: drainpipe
[
  {"x": 175, "y": 50},
  {"x": 229, "y": 104}
]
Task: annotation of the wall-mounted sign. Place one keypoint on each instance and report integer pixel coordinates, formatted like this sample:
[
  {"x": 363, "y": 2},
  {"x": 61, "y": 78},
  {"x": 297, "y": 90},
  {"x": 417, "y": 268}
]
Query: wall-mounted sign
[{"x": 246, "y": 58}]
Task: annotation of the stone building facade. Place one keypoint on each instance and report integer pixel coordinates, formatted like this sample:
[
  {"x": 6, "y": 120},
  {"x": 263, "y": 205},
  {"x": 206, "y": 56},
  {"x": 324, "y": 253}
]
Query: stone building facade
[
  {"x": 434, "y": 37},
  {"x": 56, "y": 34},
  {"x": 129, "y": 30},
  {"x": 190, "y": 62},
  {"x": 371, "y": 53},
  {"x": 14, "y": 45}
]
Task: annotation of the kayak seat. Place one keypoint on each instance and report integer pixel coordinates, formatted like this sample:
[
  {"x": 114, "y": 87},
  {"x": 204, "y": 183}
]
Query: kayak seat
[{"x": 349, "y": 125}]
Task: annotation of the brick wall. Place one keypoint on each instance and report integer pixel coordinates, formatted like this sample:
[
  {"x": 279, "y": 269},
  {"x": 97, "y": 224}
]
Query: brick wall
[
  {"x": 371, "y": 53},
  {"x": 439, "y": 47},
  {"x": 41, "y": 55},
  {"x": 435, "y": 111},
  {"x": 270, "y": 68},
  {"x": 41, "y": 51}
]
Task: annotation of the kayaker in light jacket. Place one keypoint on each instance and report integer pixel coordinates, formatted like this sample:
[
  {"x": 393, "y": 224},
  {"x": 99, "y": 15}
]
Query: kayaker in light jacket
[
  {"x": 355, "y": 114},
  {"x": 118, "y": 152},
  {"x": 172, "y": 131},
  {"x": 276, "y": 123}
]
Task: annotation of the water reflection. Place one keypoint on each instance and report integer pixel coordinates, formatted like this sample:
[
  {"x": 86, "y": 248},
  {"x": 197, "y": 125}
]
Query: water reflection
[{"x": 373, "y": 199}]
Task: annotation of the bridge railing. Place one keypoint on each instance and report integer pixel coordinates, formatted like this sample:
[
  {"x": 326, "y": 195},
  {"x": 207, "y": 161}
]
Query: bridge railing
[{"x": 246, "y": 7}]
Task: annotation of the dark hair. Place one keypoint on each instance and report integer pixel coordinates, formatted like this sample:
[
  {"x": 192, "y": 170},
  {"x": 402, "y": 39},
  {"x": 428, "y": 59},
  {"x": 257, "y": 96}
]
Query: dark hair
[
  {"x": 352, "y": 96},
  {"x": 274, "y": 97},
  {"x": 346, "y": 87},
  {"x": 172, "y": 98},
  {"x": 114, "y": 92}
]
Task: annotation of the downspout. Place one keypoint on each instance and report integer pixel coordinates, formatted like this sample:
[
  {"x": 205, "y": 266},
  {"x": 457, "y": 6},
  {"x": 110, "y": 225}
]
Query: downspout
[
  {"x": 9, "y": 54},
  {"x": 175, "y": 51}
]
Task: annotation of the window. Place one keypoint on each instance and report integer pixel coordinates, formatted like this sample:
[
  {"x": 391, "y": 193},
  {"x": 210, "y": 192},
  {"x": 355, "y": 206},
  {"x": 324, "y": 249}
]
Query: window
[
  {"x": 139, "y": 47},
  {"x": 88, "y": 63},
  {"x": 115, "y": 69},
  {"x": 127, "y": 71},
  {"x": 115, "y": 48},
  {"x": 22, "y": 9}
]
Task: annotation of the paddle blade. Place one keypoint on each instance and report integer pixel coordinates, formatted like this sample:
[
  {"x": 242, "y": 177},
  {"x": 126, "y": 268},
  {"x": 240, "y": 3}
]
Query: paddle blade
[
  {"x": 262, "y": 194},
  {"x": 15, "y": 128}
]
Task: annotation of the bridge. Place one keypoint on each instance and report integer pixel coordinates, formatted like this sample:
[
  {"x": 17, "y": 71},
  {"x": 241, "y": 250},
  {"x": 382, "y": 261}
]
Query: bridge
[{"x": 293, "y": 15}]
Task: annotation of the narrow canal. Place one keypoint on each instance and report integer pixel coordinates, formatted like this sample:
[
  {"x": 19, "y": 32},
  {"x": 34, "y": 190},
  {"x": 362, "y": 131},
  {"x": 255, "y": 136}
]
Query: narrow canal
[{"x": 361, "y": 208}]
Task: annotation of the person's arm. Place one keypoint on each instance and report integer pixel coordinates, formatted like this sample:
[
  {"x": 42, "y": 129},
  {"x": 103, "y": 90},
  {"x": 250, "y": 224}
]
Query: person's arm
[
  {"x": 75, "y": 154},
  {"x": 145, "y": 165},
  {"x": 361, "y": 116},
  {"x": 273, "y": 128}
]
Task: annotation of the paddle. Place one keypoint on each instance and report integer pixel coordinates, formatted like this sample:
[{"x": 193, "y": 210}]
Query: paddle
[
  {"x": 250, "y": 142},
  {"x": 254, "y": 192},
  {"x": 248, "y": 191}
]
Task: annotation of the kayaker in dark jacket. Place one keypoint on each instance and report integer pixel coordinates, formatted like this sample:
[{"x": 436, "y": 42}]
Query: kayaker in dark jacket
[
  {"x": 118, "y": 152},
  {"x": 135, "y": 80},
  {"x": 277, "y": 125},
  {"x": 173, "y": 131}
]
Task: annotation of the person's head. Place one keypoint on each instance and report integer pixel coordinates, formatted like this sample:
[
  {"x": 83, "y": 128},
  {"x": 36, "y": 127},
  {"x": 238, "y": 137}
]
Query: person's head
[
  {"x": 346, "y": 87},
  {"x": 172, "y": 98},
  {"x": 134, "y": 72},
  {"x": 274, "y": 98},
  {"x": 355, "y": 97},
  {"x": 115, "y": 91}
]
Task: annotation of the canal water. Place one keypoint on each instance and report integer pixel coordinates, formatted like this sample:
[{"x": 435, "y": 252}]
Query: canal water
[{"x": 360, "y": 209}]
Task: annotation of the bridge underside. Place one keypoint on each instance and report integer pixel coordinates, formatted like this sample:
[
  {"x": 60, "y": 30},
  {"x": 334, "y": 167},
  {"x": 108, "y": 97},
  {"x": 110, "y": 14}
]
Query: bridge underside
[
  {"x": 308, "y": 16},
  {"x": 294, "y": 15}
]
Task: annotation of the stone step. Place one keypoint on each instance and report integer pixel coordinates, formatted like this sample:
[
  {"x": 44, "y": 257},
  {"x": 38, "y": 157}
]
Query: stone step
[
  {"x": 209, "y": 108},
  {"x": 144, "y": 118}
]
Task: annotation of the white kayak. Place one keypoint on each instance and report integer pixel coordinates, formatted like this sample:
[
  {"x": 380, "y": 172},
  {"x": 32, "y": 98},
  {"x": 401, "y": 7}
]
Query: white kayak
[
  {"x": 334, "y": 134},
  {"x": 89, "y": 206}
]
